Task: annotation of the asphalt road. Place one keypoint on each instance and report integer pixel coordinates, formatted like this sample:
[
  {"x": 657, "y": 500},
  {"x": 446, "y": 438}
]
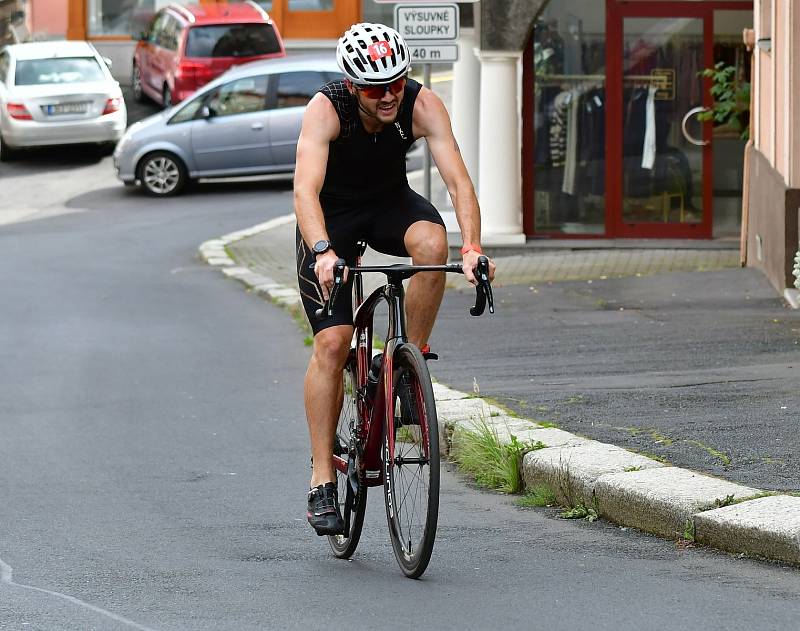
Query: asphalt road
[{"x": 154, "y": 458}]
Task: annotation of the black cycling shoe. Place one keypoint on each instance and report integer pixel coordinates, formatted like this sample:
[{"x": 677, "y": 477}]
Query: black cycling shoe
[{"x": 323, "y": 510}]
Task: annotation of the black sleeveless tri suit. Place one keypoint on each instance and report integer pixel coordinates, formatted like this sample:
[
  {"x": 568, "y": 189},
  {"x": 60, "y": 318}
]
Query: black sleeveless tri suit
[{"x": 365, "y": 195}]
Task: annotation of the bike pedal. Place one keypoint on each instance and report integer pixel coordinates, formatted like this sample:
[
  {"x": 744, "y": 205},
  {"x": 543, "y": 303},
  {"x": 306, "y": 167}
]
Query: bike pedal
[{"x": 430, "y": 355}]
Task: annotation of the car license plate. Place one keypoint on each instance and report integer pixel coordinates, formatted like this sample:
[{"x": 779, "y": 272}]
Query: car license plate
[{"x": 67, "y": 108}]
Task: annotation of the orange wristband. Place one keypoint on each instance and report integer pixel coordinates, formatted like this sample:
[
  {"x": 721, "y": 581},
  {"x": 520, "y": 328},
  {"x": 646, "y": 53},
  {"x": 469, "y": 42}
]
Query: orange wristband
[{"x": 468, "y": 246}]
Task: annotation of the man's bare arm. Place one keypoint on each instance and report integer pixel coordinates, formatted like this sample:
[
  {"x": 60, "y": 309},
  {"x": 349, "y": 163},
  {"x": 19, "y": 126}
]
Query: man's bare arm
[
  {"x": 432, "y": 121},
  {"x": 320, "y": 127}
]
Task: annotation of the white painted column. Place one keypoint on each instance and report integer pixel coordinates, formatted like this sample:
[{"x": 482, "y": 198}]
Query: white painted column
[
  {"x": 466, "y": 95},
  {"x": 499, "y": 148}
]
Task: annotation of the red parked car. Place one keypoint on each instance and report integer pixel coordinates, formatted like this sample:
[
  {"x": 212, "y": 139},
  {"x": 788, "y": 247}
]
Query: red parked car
[{"x": 185, "y": 47}]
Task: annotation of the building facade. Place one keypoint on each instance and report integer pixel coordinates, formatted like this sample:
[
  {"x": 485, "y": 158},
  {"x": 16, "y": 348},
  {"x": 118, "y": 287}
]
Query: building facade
[
  {"x": 576, "y": 119},
  {"x": 773, "y": 174}
]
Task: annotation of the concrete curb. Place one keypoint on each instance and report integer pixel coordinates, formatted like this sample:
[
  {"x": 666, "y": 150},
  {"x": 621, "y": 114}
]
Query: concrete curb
[
  {"x": 214, "y": 253},
  {"x": 626, "y": 488}
]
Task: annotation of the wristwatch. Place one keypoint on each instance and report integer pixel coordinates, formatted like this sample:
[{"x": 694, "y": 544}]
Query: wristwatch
[{"x": 321, "y": 246}]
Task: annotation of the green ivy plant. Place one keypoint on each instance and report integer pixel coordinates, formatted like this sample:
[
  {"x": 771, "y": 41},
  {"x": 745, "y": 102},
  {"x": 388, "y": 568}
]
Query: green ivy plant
[{"x": 731, "y": 99}]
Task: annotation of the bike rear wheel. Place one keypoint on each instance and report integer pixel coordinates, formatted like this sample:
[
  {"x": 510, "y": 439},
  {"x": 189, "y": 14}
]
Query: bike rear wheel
[
  {"x": 351, "y": 504},
  {"x": 411, "y": 477}
]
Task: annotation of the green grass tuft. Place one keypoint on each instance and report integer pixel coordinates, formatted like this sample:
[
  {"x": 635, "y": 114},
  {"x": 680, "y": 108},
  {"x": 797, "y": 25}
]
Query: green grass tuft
[
  {"x": 493, "y": 464},
  {"x": 537, "y": 497}
]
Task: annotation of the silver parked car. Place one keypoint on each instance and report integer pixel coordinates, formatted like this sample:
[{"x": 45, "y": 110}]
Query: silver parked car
[
  {"x": 245, "y": 122},
  {"x": 56, "y": 93}
]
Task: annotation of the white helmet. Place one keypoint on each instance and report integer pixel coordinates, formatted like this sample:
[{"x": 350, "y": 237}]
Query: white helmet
[{"x": 372, "y": 54}]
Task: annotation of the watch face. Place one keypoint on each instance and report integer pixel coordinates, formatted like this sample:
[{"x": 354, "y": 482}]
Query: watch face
[{"x": 321, "y": 246}]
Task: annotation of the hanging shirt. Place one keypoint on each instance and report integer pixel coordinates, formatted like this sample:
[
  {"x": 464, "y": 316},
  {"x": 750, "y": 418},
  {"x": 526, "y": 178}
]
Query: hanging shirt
[{"x": 649, "y": 147}]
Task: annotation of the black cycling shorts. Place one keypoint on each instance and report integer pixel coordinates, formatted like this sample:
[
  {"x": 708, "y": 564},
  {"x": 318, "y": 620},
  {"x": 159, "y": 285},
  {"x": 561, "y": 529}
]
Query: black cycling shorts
[{"x": 382, "y": 224}]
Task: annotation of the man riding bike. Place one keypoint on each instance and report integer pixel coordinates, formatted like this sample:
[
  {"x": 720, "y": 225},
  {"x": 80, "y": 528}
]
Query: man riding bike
[{"x": 350, "y": 184}]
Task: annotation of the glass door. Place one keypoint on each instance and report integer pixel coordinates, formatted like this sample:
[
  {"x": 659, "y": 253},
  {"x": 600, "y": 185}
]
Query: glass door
[
  {"x": 670, "y": 175},
  {"x": 662, "y": 171},
  {"x": 660, "y": 176}
]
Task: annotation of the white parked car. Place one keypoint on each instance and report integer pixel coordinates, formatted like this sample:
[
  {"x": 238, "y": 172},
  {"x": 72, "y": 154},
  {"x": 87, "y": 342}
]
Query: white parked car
[{"x": 57, "y": 93}]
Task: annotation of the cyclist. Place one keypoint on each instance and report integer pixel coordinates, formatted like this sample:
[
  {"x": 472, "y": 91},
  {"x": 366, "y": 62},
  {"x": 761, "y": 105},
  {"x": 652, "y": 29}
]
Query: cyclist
[{"x": 350, "y": 184}]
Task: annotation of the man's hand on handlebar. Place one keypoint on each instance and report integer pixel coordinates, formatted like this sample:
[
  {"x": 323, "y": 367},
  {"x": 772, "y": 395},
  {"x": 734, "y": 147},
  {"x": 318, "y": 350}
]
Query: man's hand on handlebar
[
  {"x": 323, "y": 268},
  {"x": 469, "y": 262}
]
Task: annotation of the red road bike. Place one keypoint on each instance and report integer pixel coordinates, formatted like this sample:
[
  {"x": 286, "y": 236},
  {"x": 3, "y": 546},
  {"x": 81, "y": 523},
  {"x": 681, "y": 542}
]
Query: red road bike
[{"x": 388, "y": 433}]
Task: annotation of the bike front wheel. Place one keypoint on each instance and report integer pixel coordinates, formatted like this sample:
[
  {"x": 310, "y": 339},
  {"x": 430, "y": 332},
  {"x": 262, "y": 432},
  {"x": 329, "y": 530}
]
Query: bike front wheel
[
  {"x": 352, "y": 503},
  {"x": 411, "y": 471}
]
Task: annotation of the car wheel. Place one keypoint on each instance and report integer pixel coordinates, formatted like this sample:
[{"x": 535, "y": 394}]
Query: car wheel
[
  {"x": 162, "y": 174},
  {"x": 6, "y": 152},
  {"x": 136, "y": 83},
  {"x": 167, "y": 97}
]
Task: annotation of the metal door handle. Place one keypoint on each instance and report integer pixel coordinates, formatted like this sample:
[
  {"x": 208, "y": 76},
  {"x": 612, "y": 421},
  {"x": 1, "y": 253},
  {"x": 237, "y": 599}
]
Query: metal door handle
[
  {"x": 257, "y": 126},
  {"x": 686, "y": 134}
]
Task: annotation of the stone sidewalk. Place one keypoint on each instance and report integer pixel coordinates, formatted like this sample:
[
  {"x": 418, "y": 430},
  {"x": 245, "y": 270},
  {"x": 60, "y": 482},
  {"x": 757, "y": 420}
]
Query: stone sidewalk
[
  {"x": 271, "y": 253},
  {"x": 627, "y": 488}
]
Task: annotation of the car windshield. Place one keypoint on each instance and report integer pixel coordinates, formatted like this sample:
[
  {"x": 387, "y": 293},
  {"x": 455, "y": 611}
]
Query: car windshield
[
  {"x": 232, "y": 40},
  {"x": 57, "y": 70}
]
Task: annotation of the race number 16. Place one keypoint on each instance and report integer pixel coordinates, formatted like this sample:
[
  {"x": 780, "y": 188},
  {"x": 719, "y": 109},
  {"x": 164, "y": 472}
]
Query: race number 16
[{"x": 378, "y": 50}]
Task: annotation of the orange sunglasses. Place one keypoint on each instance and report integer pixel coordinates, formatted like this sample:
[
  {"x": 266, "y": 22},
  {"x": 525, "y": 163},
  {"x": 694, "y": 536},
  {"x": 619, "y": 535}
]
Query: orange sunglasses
[{"x": 377, "y": 91}]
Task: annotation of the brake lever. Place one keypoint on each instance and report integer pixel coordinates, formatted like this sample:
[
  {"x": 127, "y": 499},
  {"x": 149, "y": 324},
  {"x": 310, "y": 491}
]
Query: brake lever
[
  {"x": 338, "y": 280},
  {"x": 484, "y": 288}
]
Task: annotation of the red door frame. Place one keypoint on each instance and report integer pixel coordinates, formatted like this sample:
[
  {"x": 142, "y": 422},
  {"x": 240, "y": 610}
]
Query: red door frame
[{"x": 616, "y": 11}]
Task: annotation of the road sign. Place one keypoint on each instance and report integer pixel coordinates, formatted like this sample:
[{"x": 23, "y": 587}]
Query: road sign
[
  {"x": 433, "y": 53},
  {"x": 425, "y": 22}
]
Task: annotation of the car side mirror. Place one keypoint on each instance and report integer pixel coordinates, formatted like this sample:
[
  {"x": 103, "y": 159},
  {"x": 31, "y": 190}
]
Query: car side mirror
[
  {"x": 207, "y": 112},
  {"x": 109, "y": 63}
]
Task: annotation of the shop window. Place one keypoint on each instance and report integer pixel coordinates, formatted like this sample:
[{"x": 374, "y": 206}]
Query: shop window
[{"x": 569, "y": 118}]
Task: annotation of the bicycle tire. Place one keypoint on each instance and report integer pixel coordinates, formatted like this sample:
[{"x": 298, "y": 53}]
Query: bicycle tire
[
  {"x": 412, "y": 535},
  {"x": 344, "y": 546}
]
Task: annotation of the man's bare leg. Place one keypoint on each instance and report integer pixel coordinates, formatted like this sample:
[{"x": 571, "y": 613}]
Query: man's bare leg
[
  {"x": 323, "y": 397},
  {"x": 426, "y": 242}
]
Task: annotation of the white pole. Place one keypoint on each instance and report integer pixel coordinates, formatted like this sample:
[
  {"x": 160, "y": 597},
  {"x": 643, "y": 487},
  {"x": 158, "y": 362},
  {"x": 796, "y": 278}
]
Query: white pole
[
  {"x": 466, "y": 96},
  {"x": 499, "y": 146}
]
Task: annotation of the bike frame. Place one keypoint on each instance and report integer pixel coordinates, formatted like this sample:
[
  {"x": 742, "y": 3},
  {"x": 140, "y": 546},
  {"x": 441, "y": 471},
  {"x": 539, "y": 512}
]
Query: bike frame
[{"x": 373, "y": 415}]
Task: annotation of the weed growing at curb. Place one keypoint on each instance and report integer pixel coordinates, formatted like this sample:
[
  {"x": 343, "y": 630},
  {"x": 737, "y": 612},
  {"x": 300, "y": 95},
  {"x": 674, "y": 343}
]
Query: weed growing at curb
[
  {"x": 493, "y": 464},
  {"x": 631, "y": 469},
  {"x": 579, "y": 512},
  {"x": 723, "y": 458},
  {"x": 405, "y": 435},
  {"x": 537, "y": 497},
  {"x": 725, "y": 501},
  {"x": 688, "y": 531}
]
